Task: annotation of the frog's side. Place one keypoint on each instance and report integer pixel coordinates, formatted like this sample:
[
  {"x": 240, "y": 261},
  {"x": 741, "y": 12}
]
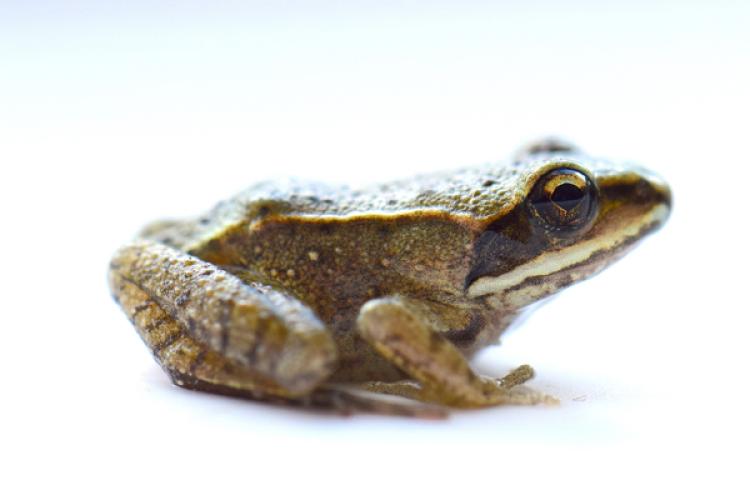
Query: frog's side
[{"x": 285, "y": 288}]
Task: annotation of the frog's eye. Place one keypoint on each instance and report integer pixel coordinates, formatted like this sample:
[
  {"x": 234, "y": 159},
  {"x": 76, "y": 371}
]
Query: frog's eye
[{"x": 563, "y": 200}]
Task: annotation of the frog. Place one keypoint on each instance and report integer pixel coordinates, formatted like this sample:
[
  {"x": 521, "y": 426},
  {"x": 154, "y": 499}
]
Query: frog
[{"x": 377, "y": 299}]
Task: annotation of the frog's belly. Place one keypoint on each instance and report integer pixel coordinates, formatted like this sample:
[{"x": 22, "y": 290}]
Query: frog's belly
[{"x": 495, "y": 323}]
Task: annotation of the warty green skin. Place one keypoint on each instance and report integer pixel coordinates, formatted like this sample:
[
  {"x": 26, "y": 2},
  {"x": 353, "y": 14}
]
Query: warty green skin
[{"x": 457, "y": 254}]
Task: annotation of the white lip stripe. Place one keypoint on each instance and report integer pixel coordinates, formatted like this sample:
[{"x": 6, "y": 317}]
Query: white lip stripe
[{"x": 550, "y": 263}]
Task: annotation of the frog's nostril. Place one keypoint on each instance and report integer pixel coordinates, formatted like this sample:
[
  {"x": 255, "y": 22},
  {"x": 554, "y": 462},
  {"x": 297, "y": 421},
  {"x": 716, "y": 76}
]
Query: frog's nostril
[
  {"x": 666, "y": 194},
  {"x": 659, "y": 190},
  {"x": 652, "y": 191},
  {"x": 640, "y": 190}
]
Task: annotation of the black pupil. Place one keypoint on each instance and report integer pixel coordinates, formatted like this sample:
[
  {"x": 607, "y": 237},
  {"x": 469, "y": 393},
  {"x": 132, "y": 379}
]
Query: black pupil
[{"x": 567, "y": 196}]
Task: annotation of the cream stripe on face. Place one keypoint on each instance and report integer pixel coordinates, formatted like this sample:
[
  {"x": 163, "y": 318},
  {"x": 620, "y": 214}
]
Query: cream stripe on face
[{"x": 550, "y": 263}]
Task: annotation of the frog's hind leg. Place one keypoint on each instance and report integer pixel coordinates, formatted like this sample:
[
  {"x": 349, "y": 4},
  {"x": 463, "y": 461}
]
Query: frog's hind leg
[{"x": 211, "y": 331}]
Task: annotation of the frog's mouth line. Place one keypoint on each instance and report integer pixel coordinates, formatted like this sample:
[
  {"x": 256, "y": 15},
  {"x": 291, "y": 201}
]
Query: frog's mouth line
[{"x": 587, "y": 251}]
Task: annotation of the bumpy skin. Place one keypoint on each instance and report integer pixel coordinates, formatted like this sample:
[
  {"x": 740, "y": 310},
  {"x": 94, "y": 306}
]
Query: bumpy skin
[{"x": 284, "y": 290}]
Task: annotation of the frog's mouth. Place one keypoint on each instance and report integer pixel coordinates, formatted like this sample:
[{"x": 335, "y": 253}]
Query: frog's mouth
[{"x": 619, "y": 226}]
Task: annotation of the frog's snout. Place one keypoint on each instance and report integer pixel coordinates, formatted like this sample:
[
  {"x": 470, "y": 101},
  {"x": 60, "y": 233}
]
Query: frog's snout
[
  {"x": 639, "y": 191},
  {"x": 660, "y": 190}
]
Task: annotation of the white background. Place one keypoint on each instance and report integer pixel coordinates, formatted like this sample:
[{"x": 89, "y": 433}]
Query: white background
[{"x": 116, "y": 113}]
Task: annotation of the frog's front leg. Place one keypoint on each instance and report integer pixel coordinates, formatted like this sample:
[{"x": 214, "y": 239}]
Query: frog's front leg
[
  {"x": 405, "y": 331},
  {"x": 210, "y": 330}
]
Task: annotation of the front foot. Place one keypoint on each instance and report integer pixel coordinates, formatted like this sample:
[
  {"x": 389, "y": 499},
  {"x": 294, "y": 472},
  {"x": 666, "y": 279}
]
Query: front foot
[
  {"x": 400, "y": 330},
  {"x": 516, "y": 377},
  {"x": 508, "y": 390}
]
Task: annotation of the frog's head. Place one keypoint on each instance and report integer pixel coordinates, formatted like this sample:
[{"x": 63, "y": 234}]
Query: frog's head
[{"x": 567, "y": 219}]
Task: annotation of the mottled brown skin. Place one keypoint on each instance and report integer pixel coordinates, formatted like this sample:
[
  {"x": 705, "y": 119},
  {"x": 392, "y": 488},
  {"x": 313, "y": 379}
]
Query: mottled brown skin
[{"x": 287, "y": 292}]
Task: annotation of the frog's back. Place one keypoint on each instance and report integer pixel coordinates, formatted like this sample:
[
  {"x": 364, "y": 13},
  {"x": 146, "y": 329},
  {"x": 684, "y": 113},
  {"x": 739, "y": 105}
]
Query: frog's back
[
  {"x": 479, "y": 191},
  {"x": 475, "y": 194}
]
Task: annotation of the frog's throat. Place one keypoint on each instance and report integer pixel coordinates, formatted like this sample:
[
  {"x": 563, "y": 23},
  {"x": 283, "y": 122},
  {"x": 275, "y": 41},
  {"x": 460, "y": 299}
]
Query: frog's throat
[{"x": 549, "y": 264}]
